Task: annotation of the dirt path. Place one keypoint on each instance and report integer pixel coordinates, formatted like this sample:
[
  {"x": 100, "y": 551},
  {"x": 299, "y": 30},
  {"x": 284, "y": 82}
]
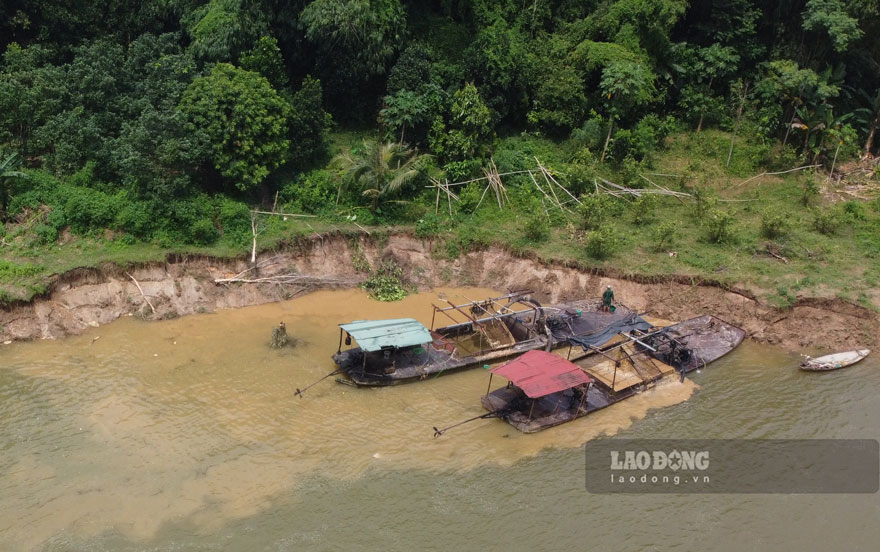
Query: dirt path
[{"x": 185, "y": 285}]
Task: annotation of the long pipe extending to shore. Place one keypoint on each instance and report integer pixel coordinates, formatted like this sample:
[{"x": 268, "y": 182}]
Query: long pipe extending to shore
[
  {"x": 299, "y": 392},
  {"x": 488, "y": 415}
]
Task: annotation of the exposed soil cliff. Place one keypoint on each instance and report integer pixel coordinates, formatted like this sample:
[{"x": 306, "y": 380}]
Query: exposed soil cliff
[{"x": 184, "y": 285}]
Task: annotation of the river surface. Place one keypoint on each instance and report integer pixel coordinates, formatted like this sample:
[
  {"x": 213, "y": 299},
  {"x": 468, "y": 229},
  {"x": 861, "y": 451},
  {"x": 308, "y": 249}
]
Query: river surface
[{"x": 186, "y": 435}]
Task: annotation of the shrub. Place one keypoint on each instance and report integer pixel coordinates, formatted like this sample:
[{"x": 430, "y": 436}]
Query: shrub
[
  {"x": 470, "y": 196},
  {"x": 631, "y": 168},
  {"x": 855, "y": 210},
  {"x": 595, "y": 208},
  {"x": 779, "y": 158},
  {"x": 203, "y": 232},
  {"x": 310, "y": 192},
  {"x": 621, "y": 143},
  {"x": 664, "y": 234},
  {"x": 590, "y": 134},
  {"x": 537, "y": 228},
  {"x": 386, "y": 283},
  {"x": 468, "y": 238},
  {"x": 453, "y": 249},
  {"x": 139, "y": 218},
  {"x": 56, "y": 219},
  {"x": 234, "y": 220},
  {"x": 581, "y": 173},
  {"x": 41, "y": 189},
  {"x": 809, "y": 189},
  {"x": 456, "y": 171},
  {"x": 719, "y": 225},
  {"x": 704, "y": 200},
  {"x": 643, "y": 208},
  {"x": 428, "y": 226},
  {"x": 649, "y": 133},
  {"x": 89, "y": 210},
  {"x": 826, "y": 221},
  {"x": 45, "y": 234},
  {"x": 773, "y": 223},
  {"x": 602, "y": 243}
]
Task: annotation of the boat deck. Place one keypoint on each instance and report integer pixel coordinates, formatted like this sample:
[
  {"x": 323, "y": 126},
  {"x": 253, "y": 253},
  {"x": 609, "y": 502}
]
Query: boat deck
[{"x": 632, "y": 369}]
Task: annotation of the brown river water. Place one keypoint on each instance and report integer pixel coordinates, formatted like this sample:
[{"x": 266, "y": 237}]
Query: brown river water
[{"x": 186, "y": 435}]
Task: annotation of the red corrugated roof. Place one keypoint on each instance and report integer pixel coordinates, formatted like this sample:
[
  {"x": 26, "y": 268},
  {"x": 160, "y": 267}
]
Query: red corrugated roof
[{"x": 539, "y": 373}]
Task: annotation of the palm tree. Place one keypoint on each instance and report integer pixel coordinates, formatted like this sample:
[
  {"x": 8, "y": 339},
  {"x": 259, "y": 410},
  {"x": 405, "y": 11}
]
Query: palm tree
[
  {"x": 378, "y": 169},
  {"x": 9, "y": 164}
]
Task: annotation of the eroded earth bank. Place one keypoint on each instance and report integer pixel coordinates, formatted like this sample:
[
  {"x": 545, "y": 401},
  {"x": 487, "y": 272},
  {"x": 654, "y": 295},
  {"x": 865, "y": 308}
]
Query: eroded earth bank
[{"x": 187, "y": 284}]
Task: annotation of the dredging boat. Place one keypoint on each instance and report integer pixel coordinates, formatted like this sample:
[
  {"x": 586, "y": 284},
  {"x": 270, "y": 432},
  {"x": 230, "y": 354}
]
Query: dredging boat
[
  {"x": 403, "y": 350},
  {"x": 546, "y": 390},
  {"x": 687, "y": 345}
]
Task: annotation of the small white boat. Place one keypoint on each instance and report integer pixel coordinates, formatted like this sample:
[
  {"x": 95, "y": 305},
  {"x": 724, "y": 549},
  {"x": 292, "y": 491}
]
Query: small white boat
[{"x": 833, "y": 362}]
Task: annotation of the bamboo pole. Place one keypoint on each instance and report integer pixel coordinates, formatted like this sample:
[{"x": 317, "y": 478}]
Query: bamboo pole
[
  {"x": 775, "y": 173},
  {"x": 144, "y": 295},
  {"x": 553, "y": 179},
  {"x": 283, "y": 214}
]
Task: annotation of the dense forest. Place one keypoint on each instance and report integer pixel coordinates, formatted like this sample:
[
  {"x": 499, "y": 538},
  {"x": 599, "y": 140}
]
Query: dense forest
[{"x": 167, "y": 121}]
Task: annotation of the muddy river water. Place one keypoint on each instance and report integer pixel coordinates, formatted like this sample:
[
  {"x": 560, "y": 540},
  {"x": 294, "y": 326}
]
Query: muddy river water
[{"x": 186, "y": 435}]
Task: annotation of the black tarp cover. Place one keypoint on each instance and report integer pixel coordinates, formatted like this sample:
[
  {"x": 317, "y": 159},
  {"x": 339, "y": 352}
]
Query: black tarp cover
[{"x": 607, "y": 333}]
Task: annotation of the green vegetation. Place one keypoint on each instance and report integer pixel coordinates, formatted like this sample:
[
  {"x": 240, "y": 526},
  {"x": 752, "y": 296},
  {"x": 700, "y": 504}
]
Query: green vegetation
[
  {"x": 129, "y": 133},
  {"x": 386, "y": 283}
]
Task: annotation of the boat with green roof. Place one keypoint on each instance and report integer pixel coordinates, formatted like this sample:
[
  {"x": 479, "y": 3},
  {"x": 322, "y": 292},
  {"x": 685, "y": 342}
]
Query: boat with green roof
[{"x": 403, "y": 350}]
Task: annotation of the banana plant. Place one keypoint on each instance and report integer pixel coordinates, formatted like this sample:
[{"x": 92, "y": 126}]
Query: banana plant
[
  {"x": 867, "y": 116},
  {"x": 815, "y": 124}
]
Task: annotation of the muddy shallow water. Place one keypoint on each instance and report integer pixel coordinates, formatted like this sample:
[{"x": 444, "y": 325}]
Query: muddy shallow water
[{"x": 186, "y": 434}]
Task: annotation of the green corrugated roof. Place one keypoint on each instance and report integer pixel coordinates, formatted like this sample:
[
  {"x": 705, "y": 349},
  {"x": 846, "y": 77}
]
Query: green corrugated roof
[{"x": 373, "y": 335}]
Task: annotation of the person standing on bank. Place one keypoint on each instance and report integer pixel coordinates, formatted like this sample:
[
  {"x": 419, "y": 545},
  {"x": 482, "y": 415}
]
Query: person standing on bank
[{"x": 607, "y": 299}]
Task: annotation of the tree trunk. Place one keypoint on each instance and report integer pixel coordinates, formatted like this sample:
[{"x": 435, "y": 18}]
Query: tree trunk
[
  {"x": 739, "y": 111},
  {"x": 607, "y": 139},
  {"x": 733, "y": 136},
  {"x": 703, "y": 112},
  {"x": 834, "y": 162},
  {"x": 788, "y": 128},
  {"x": 869, "y": 143}
]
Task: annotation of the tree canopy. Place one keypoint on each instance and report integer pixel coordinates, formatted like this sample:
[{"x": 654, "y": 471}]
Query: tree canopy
[
  {"x": 243, "y": 118},
  {"x": 180, "y": 99}
]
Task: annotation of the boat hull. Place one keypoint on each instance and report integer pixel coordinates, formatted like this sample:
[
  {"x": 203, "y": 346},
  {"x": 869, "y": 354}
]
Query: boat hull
[
  {"x": 706, "y": 338},
  {"x": 834, "y": 361},
  {"x": 438, "y": 362}
]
